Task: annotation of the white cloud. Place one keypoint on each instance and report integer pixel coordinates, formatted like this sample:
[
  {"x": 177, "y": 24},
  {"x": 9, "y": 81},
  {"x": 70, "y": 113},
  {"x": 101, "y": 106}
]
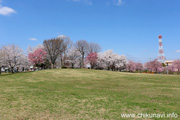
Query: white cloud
[
  {"x": 89, "y": 2},
  {"x": 178, "y": 51},
  {"x": 119, "y": 2},
  {"x": 33, "y": 39},
  {"x": 61, "y": 36},
  {"x": 6, "y": 10}
]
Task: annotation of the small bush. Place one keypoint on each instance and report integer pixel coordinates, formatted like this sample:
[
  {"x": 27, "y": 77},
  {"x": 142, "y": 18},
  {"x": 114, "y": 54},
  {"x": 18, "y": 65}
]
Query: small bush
[{"x": 64, "y": 67}]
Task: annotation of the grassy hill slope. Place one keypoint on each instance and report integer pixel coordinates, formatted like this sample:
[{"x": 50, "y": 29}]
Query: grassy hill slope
[{"x": 86, "y": 94}]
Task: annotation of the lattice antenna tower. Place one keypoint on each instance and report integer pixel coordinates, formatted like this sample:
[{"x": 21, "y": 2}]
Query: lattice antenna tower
[{"x": 161, "y": 56}]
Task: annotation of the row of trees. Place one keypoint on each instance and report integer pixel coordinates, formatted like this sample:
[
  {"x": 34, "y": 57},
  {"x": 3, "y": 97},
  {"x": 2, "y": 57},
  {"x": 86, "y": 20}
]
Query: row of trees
[
  {"x": 153, "y": 66},
  {"x": 54, "y": 53},
  {"x": 75, "y": 55},
  {"x": 62, "y": 52}
]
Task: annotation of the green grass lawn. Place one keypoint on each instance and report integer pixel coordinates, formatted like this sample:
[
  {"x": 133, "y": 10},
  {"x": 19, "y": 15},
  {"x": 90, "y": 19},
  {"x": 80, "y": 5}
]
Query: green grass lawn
[{"x": 86, "y": 94}]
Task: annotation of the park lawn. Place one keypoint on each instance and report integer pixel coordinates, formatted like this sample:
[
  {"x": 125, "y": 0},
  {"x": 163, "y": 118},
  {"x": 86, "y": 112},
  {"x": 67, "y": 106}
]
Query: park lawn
[{"x": 72, "y": 94}]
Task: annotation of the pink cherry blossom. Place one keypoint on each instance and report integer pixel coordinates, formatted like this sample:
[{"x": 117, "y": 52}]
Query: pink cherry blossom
[
  {"x": 37, "y": 56},
  {"x": 154, "y": 66},
  {"x": 92, "y": 59}
]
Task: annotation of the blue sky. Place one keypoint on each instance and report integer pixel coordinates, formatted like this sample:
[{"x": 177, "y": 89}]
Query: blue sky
[{"x": 130, "y": 27}]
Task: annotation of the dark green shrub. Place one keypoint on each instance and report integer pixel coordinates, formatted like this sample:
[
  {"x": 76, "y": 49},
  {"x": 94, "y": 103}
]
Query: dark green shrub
[{"x": 64, "y": 67}]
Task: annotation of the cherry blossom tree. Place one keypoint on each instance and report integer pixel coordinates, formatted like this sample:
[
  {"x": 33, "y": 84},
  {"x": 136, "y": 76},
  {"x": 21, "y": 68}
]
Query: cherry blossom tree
[
  {"x": 106, "y": 58},
  {"x": 154, "y": 66},
  {"x": 25, "y": 63},
  {"x": 1, "y": 59},
  {"x": 13, "y": 56},
  {"x": 111, "y": 60},
  {"x": 37, "y": 57},
  {"x": 139, "y": 66},
  {"x": 176, "y": 64},
  {"x": 73, "y": 57},
  {"x": 120, "y": 62},
  {"x": 171, "y": 68},
  {"x": 131, "y": 66},
  {"x": 100, "y": 61},
  {"x": 92, "y": 59}
]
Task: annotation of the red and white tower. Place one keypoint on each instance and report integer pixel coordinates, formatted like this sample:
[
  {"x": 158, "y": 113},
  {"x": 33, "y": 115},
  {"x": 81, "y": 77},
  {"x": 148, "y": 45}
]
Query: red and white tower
[{"x": 161, "y": 57}]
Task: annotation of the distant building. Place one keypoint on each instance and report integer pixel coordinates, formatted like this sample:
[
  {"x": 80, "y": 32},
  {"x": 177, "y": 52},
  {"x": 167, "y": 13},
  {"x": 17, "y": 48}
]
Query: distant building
[{"x": 169, "y": 62}]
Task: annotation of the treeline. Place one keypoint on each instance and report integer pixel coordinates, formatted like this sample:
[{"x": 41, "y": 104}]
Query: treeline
[
  {"x": 61, "y": 52},
  {"x": 154, "y": 67},
  {"x": 54, "y": 53}
]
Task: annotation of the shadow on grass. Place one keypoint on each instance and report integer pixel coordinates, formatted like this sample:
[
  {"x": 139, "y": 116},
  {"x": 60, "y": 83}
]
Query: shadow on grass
[{"x": 7, "y": 74}]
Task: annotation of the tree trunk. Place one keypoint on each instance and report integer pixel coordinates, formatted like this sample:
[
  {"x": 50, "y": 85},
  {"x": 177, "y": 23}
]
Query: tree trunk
[
  {"x": 91, "y": 66},
  {"x": 52, "y": 66},
  {"x": 72, "y": 66},
  {"x": 61, "y": 61},
  {"x": 82, "y": 66},
  {"x": 12, "y": 69},
  {"x": 64, "y": 58}
]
